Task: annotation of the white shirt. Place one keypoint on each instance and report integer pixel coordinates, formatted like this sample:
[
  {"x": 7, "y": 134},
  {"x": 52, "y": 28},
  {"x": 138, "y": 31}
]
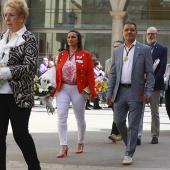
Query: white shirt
[{"x": 127, "y": 65}]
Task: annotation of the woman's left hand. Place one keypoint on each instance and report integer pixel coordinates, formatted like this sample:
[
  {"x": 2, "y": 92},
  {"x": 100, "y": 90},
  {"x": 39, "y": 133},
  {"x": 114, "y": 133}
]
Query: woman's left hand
[{"x": 91, "y": 97}]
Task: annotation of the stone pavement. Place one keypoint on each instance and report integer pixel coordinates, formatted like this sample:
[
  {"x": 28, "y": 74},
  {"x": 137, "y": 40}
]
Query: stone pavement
[{"x": 99, "y": 152}]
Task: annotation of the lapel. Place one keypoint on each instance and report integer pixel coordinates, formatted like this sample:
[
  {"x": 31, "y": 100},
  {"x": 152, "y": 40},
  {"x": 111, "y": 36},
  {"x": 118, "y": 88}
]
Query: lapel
[
  {"x": 121, "y": 49},
  {"x": 63, "y": 57},
  {"x": 155, "y": 52},
  {"x": 136, "y": 53}
]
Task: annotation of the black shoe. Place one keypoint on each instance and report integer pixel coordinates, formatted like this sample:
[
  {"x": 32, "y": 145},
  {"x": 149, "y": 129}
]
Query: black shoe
[
  {"x": 87, "y": 108},
  {"x": 41, "y": 103},
  {"x": 154, "y": 140},
  {"x": 97, "y": 107},
  {"x": 138, "y": 142},
  {"x": 89, "y": 105}
]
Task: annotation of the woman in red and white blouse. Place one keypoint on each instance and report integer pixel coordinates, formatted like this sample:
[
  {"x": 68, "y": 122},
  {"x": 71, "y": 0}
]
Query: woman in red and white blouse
[{"x": 74, "y": 72}]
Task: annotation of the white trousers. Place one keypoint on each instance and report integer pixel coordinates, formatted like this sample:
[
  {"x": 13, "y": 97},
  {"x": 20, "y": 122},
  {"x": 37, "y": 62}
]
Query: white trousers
[{"x": 67, "y": 94}]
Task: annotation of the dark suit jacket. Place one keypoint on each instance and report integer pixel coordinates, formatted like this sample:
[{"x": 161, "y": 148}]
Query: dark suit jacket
[{"x": 159, "y": 52}]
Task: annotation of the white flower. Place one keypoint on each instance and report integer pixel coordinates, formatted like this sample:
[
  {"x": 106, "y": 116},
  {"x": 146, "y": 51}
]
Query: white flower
[
  {"x": 49, "y": 105},
  {"x": 43, "y": 86}
]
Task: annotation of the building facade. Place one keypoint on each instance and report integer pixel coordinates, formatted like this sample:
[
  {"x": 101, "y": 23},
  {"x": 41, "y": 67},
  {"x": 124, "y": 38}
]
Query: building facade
[{"x": 99, "y": 21}]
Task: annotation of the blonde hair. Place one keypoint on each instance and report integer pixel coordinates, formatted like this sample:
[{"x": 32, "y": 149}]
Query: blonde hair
[{"x": 19, "y": 5}]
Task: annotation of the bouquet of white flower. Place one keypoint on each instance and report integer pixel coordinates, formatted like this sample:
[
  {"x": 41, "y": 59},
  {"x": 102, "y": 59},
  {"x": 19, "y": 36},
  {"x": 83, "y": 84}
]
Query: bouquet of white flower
[
  {"x": 49, "y": 106},
  {"x": 43, "y": 88}
]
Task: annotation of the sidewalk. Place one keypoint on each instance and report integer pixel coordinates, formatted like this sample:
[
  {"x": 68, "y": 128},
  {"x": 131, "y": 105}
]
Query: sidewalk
[{"x": 99, "y": 152}]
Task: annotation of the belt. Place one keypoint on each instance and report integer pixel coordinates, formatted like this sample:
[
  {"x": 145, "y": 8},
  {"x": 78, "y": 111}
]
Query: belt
[
  {"x": 69, "y": 83},
  {"x": 125, "y": 85}
]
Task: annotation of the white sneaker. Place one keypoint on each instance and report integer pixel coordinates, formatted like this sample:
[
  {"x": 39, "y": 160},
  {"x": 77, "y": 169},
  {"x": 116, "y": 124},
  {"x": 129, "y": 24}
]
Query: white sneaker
[{"x": 127, "y": 160}]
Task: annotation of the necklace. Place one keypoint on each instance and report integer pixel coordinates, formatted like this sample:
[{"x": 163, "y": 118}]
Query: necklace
[
  {"x": 71, "y": 55},
  {"x": 127, "y": 52}
]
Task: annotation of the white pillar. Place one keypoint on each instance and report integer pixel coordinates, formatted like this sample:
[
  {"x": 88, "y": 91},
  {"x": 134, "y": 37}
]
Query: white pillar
[
  {"x": 117, "y": 24},
  {"x": 60, "y": 15},
  {"x": 50, "y": 8},
  {"x": 117, "y": 14}
]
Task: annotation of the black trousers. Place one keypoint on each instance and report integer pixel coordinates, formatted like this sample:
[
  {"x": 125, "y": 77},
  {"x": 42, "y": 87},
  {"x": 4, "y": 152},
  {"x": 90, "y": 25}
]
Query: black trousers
[
  {"x": 114, "y": 126},
  {"x": 114, "y": 129},
  {"x": 167, "y": 101},
  {"x": 19, "y": 118}
]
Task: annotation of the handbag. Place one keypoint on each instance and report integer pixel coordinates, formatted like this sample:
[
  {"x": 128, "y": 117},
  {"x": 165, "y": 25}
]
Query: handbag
[{"x": 86, "y": 93}]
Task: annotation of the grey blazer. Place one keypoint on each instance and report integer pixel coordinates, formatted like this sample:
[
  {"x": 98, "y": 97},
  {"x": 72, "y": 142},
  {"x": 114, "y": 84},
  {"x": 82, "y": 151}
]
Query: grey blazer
[
  {"x": 167, "y": 75},
  {"x": 142, "y": 63},
  {"x": 108, "y": 64}
]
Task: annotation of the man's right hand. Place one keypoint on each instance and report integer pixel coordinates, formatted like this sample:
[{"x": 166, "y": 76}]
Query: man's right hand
[
  {"x": 147, "y": 99},
  {"x": 108, "y": 101}
]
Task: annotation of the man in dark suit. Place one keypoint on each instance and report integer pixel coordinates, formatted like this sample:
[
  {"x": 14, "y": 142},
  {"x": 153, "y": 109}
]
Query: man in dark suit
[
  {"x": 159, "y": 57},
  {"x": 127, "y": 86}
]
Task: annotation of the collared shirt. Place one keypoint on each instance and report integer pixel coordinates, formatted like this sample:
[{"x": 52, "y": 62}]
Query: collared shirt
[
  {"x": 69, "y": 73},
  {"x": 127, "y": 63}
]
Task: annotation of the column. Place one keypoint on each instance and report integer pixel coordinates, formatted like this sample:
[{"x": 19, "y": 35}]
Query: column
[
  {"x": 117, "y": 24},
  {"x": 60, "y": 12},
  {"x": 50, "y": 8}
]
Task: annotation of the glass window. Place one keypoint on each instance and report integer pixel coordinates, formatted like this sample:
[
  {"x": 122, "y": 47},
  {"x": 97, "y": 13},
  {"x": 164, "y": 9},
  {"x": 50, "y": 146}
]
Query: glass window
[
  {"x": 54, "y": 18},
  {"x": 50, "y": 44},
  {"x": 147, "y": 13},
  {"x": 93, "y": 14}
]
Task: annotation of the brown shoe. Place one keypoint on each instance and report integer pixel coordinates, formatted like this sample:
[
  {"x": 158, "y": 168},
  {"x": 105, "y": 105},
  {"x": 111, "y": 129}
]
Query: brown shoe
[
  {"x": 118, "y": 138},
  {"x": 112, "y": 137}
]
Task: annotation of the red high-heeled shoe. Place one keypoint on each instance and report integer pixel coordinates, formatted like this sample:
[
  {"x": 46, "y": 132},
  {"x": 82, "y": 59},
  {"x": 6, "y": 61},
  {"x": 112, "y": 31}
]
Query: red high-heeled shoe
[
  {"x": 80, "y": 150},
  {"x": 61, "y": 155}
]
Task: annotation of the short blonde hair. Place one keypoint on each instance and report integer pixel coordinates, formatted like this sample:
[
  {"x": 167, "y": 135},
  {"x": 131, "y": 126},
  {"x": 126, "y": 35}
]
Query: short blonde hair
[{"x": 19, "y": 5}]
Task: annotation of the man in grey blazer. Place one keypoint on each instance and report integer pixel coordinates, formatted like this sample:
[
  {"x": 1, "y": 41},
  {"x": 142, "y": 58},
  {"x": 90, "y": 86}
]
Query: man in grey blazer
[
  {"x": 127, "y": 87},
  {"x": 167, "y": 90}
]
